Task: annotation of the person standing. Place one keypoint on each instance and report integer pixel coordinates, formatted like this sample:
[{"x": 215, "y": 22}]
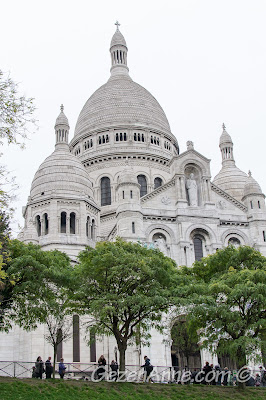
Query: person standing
[
  {"x": 39, "y": 370},
  {"x": 62, "y": 368},
  {"x": 262, "y": 377},
  {"x": 101, "y": 368},
  {"x": 114, "y": 369},
  {"x": 148, "y": 368},
  {"x": 48, "y": 368}
]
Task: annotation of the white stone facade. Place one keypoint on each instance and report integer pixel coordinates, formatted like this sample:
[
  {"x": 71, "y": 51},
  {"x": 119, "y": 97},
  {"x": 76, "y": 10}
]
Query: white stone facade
[{"x": 122, "y": 175}]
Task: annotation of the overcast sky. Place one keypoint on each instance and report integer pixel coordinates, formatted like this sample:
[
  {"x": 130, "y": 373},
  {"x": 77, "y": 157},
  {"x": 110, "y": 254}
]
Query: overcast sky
[{"x": 203, "y": 60}]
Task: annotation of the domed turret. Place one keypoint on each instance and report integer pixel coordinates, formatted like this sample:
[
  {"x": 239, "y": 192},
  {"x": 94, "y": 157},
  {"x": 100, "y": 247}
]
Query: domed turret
[
  {"x": 251, "y": 187},
  {"x": 61, "y": 173},
  {"x": 230, "y": 178},
  {"x": 253, "y": 196}
]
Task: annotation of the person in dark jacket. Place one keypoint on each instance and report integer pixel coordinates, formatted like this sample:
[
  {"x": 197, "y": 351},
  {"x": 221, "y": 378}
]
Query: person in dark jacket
[
  {"x": 39, "y": 370},
  {"x": 61, "y": 368},
  {"x": 114, "y": 369},
  {"x": 147, "y": 369},
  {"x": 225, "y": 376},
  {"x": 101, "y": 368},
  {"x": 206, "y": 370},
  {"x": 48, "y": 368}
]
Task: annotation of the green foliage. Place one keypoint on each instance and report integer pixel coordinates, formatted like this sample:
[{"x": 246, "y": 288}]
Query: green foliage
[
  {"x": 185, "y": 339},
  {"x": 40, "y": 277},
  {"x": 15, "y": 111},
  {"x": 230, "y": 300},
  {"x": 27, "y": 389},
  {"x": 125, "y": 287}
]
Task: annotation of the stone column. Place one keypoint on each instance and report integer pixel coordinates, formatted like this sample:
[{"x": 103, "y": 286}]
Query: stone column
[
  {"x": 68, "y": 225},
  {"x": 42, "y": 226}
]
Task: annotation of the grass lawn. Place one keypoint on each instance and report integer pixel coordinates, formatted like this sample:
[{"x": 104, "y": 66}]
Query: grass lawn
[{"x": 33, "y": 389}]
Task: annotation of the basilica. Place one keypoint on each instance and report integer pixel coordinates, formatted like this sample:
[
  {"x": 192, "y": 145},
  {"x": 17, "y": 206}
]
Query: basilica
[{"x": 123, "y": 174}]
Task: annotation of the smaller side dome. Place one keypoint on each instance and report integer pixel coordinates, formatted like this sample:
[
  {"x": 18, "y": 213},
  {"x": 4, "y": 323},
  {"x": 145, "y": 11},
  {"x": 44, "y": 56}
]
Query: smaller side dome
[{"x": 251, "y": 187}]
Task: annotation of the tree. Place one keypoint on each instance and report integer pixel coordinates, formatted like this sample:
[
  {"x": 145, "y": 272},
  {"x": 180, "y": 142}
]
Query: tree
[
  {"x": 229, "y": 297},
  {"x": 16, "y": 112},
  {"x": 39, "y": 294},
  {"x": 124, "y": 287},
  {"x": 5, "y": 284},
  {"x": 184, "y": 341}
]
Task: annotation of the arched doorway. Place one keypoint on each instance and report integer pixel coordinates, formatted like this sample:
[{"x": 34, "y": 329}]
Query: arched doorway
[{"x": 185, "y": 350}]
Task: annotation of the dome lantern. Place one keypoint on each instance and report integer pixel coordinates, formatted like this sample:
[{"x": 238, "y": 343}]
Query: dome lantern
[
  {"x": 118, "y": 50},
  {"x": 61, "y": 128},
  {"x": 226, "y": 146}
]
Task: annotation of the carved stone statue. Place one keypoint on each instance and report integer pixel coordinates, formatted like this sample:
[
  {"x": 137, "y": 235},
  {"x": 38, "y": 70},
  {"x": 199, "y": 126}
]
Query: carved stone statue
[
  {"x": 192, "y": 190},
  {"x": 160, "y": 244},
  {"x": 190, "y": 145}
]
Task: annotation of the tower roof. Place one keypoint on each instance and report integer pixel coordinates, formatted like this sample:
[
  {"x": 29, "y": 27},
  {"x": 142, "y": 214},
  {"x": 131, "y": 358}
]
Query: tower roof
[
  {"x": 118, "y": 39},
  {"x": 61, "y": 119},
  {"x": 225, "y": 137}
]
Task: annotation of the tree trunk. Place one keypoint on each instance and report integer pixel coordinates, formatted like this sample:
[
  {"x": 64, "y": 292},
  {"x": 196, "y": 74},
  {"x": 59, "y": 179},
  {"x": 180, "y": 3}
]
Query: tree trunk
[
  {"x": 241, "y": 362},
  {"x": 55, "y": 351},
  {"x": 122, "y": 357}
]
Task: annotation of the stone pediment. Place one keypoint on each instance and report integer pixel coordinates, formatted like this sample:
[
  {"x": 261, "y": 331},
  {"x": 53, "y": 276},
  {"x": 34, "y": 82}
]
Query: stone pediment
[
  {"x": 191, "y": 156},
  {"x": 160, "y": 192},
  {"x": 225, "y": 197}
]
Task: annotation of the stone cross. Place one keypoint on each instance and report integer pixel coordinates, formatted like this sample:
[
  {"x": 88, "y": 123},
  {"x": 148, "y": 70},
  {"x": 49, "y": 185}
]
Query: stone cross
[{"x": 117, "y": 25}]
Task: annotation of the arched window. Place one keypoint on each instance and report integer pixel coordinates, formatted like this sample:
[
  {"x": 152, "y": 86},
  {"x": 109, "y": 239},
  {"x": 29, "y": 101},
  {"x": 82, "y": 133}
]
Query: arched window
[
  {"x": 63, "y": 222},
  {"x": 157, "y": 182},
  {"x": 143, "y": 185},
  {"x": 46, "y": 224},
  {"x": 133, "y": 227},
  {"x": 72, "y": 223},
  {"x": 135, "y": 137},
  {"x": 125, "y": 136},
  {"x": 198, "y": 249},
  {"x": 38, "y": 225},
  {"x": 105, "y": 191},
  {"x": 121, "y": 136},
  {"x": 88, "y": 226},
  {"x": 92, "y": 229}
]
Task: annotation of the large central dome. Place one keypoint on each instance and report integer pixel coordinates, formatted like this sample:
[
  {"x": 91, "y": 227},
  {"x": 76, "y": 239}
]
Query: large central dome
[{"x": 121, "y": 101}]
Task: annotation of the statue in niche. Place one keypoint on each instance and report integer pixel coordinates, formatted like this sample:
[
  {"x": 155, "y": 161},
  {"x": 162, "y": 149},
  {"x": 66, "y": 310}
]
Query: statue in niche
[
  {"x": 192, "y": 189},
  {"x": 160, "y": 244}
]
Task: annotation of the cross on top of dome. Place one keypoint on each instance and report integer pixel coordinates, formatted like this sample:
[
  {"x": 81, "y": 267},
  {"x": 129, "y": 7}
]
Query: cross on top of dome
[{"x": 117, "y": 25}]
